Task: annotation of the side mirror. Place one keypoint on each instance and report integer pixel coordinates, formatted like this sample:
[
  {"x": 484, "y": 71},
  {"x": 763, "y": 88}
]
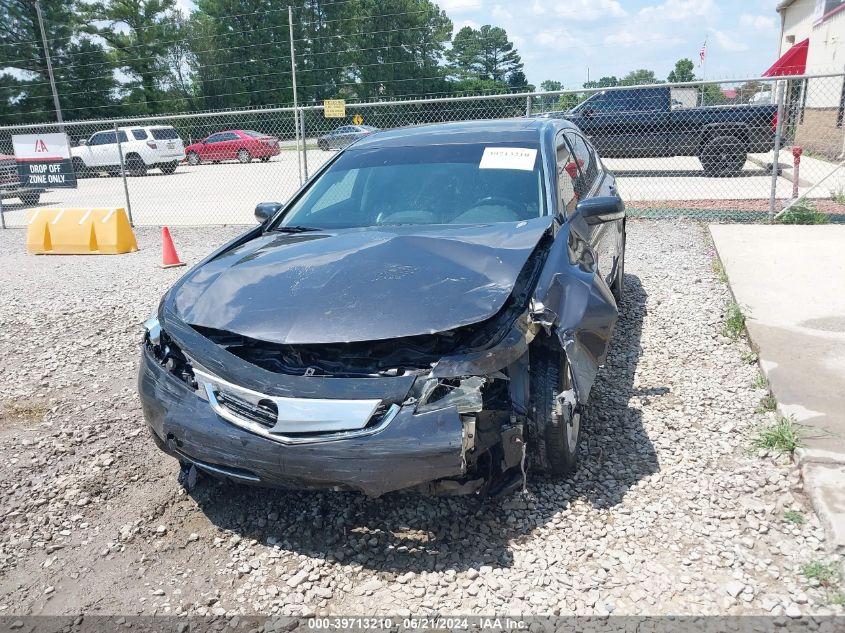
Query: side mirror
[
  {"x": 601, "y": 209},
  {"x": 266, "y": 210},
  {"x": 82, "y": 142}
]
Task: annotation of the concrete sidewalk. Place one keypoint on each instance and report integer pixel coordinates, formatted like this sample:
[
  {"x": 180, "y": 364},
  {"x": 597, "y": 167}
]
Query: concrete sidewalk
[{"x": 790, "y": 283}]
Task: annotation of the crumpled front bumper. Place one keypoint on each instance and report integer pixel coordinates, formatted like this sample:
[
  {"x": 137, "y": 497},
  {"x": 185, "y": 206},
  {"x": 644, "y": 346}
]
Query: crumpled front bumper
[{"x": 412, "y": 449}]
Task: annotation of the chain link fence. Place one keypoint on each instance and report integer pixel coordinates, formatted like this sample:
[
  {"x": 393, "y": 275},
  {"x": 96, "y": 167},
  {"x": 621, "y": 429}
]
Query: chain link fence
[{"x": 698, "y": 149}]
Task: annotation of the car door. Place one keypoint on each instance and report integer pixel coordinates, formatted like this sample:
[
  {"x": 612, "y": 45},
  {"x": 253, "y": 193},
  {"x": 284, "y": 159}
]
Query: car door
[
  {"x": 91, "y": 149},
  {"x": 229, "y": 145},
  {"x": 591, "y": 180},
  {"x": 103, "y": 145},
  {"x": 211, "y": 147}
]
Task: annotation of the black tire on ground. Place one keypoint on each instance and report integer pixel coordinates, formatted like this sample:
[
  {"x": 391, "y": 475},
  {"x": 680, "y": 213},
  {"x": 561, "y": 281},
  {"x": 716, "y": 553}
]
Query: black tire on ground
[
  {"x": 323, "y": 145},
  {"x": 194, "y": 159},
  {"x": 30, "y": 198},
  {"x": 723, "y": 156},
  {"x": 264, "y": 159},
  {"x": 136, "y": 165},
  {"x": 168, "y": 168},
  {"x": 79, "y": 168},
  {"x": 618, "y": 287},
  {"x": 244, "y": 156},
  {"x": 555, "y": 423}
]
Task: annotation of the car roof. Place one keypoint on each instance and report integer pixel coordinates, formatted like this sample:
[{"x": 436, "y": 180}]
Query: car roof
[{"x": 517, "y": 130}]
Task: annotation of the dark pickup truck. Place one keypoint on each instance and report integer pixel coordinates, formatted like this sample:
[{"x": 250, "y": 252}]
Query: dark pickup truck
[
  {"x": 10, "y": 182},
  {"x": 644, "y": 122}
]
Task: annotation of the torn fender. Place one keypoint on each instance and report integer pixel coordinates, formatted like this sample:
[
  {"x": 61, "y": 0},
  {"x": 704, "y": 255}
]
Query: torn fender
[{"x": 573, "y": 302}]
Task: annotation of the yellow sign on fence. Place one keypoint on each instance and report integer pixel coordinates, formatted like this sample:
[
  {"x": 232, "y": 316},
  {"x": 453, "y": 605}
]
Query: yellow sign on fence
[
  {"x": 334, "y": 108},
  {"x": 357, "y": 119}
]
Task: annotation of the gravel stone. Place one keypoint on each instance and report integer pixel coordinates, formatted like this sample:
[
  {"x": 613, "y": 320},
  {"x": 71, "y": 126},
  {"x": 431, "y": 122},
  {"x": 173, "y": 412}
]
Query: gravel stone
[{"x": 672, "y": 510}]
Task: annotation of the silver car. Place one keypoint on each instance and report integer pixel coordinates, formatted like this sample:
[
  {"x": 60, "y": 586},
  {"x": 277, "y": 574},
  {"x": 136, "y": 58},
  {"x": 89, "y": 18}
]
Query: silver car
[{"x": 343, "y": 136}]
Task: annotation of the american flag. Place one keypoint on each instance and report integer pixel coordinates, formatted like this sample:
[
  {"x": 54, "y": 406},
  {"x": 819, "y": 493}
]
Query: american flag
[{"x": 702, "y": 53}]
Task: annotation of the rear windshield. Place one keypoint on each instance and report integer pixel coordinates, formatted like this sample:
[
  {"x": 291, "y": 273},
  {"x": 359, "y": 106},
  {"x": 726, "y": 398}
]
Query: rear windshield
[
  {"x": 164, "y": 133},
  {"x": 429, "y": 184}
]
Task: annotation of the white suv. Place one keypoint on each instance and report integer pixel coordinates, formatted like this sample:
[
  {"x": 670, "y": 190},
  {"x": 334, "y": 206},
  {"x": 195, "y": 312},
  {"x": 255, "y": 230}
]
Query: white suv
[{"x": 143, "y": 148}]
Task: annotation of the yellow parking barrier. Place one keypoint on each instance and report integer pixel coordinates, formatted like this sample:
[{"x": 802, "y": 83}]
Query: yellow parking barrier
[{"x": 79, "y": 232}]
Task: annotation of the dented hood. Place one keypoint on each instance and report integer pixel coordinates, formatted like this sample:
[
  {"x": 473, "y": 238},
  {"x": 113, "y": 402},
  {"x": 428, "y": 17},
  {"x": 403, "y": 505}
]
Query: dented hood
[{"x": 358, "y": 284}]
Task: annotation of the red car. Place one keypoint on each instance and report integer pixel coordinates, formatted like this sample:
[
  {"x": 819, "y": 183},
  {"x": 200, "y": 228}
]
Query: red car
[{"x": 241, "y": 145}]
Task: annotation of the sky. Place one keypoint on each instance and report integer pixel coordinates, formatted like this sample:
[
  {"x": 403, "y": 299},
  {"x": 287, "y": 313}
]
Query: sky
[{"x": 561, "y": 39}]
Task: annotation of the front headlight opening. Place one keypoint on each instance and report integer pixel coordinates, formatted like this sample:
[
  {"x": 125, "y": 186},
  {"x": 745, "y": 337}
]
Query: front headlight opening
[{"x": 462, "y": 393}]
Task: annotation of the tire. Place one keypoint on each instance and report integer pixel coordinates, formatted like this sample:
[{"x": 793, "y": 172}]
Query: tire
[
  {"x": 79, "y": 168},
  {"x": 30, "y": 198},
  {"x": 618, "y": 287},
  {"x": 244, "y": 156},
  {"x": 194, "y": 159},
  {"x": 723, "y": 156},
  {"x": 323, "y": 145},
  {"x": 555, "y": 424},
  {"x": 168, "y": 168},
  {"x": 136, "y": 165}
]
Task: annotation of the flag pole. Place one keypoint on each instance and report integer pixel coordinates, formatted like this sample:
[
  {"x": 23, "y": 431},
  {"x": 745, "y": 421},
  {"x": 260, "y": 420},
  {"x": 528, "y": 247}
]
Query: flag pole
[{"x": 703, "y": 63}]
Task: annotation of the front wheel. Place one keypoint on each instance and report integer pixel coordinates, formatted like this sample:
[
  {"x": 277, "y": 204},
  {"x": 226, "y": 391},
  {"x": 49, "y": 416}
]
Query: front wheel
[
  {"x": 193, "y": 159},
  {"x": 168, "y": 168},
  {"x": 723, "y": 156},
  {"x": 555, "y": 422},
  {"x": 244, "y": 156}
]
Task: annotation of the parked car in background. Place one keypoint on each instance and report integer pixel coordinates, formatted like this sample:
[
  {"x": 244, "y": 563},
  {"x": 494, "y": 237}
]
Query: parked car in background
[
  {"x": 343, "y": 136},
  {"x": 641, "y": 122},
  {"x": 10, "y": 182},
  {"x": 240, "y": 145},
  {"x": 428, "y": 313},
  {"x": 143, "y": 147}
]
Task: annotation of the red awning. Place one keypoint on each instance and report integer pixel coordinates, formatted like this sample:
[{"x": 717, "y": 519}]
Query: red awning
[{"x": 792, "y": 62}]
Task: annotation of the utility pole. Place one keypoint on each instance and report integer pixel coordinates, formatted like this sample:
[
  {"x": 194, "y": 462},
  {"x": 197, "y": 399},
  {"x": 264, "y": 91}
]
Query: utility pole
[
  {"x": 49, "y": 63},
  {"x": 295, "y": 108}
]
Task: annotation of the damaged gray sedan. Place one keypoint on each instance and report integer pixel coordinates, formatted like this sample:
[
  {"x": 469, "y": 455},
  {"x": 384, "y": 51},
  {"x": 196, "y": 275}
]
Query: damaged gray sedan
[{"x": 428, "y": 312}]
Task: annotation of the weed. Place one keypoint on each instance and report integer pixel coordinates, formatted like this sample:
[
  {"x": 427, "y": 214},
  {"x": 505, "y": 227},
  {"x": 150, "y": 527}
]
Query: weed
[
  {"x": 780, "y": 436},
  {"x": 825, "y": 573},
  {"x": 750, "y": 357},
  {"x": 834, "y": 597},
  {"x": 719, "y": 271},
  {"x": 793, "y": 516},
  {"x": 734, "y": 321},
  {"x": 838, "y": 196},
  {"x": 760, "y": 381},
  {"x": 803, "y": 212},
  {"x": 767, "y": 403}
]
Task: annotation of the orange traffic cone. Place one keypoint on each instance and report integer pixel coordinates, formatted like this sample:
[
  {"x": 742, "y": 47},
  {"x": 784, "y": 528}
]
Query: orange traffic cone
[{"x": 169, "y": 258}]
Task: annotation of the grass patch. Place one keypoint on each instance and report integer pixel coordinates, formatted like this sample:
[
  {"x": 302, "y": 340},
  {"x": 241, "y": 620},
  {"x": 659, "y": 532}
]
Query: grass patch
[
  {"x": 780, "y": 436},
  {"x": 719, "y": 271},
  {"x": 750, "y": 357},
  {"x": 803, "y": 212},
  {"x": 825, "y": 573},
  {"x": 760, "y": 381},
  {"x": 25, "y": 411},
  {"x": 794, "y": 517},
  {"x": 838, "y": 196},
  {"x": 734, "y": 321},
  {"x": 767, "y": 403},
  {"x": 834, "y": 597}
]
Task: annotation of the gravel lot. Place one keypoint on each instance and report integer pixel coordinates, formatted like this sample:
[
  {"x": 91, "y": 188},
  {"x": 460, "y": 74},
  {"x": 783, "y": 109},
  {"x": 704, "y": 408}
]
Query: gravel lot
[{"x": 673, "y": 511}]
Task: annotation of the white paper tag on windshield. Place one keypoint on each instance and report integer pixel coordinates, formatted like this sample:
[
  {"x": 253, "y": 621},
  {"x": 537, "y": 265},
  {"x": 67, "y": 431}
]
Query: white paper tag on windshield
[{"x": 508, "y": 158}]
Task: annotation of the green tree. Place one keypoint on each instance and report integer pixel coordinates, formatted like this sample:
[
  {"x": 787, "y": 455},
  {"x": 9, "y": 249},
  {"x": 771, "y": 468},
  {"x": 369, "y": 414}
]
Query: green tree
[
  {"x": 136, "y": 30},
  {"x": 639, "y": 77},
  {"x": 567, "y": 101},
  {"x": 83, "y": 74},
  {"x": 485, "y": 53},
  {"x": 604, "y": 82},
  {"x": 518, "y": 81},
  {"x": 683, "y": 71},
  {"x": 550, "y": 85}
]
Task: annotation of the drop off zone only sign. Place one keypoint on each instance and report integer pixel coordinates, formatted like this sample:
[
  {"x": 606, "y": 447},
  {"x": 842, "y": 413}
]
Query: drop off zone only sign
[{"x": 44, "y": 161}]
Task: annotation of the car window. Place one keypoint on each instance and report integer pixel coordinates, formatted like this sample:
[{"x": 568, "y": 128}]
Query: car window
[
  {"x": 253, "y": 133},
  {"x": 214, "y": 138},
  {"x": 430, "y": 184},
  {"x": 611, "y": 101},
  {"x": 652, "y": 100},
  {"x": 343, "y": 130},
  {"x": 587, "y": 163},
  {"x": 122, "y": 136},
  {"x": 139, "y": 135},
  {"x": 164, "y": 133},
  {"x": 229, "y": 136},
  {"x": 99, "y": 138},
  {"x": 567, "y": 176}
]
